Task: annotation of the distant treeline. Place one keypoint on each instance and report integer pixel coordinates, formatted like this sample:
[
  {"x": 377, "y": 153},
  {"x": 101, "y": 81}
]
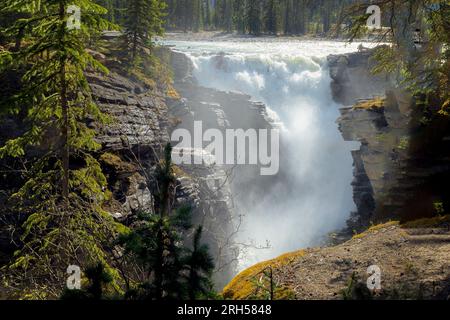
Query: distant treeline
[{"x": 255, "y": 17}]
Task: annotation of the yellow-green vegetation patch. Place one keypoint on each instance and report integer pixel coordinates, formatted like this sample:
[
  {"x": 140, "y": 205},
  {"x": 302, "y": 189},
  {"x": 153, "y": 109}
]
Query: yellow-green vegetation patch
[
  {"x": 179, "y": 172},
  {"x": 374, "y": 228},
  {"x": 427, "y": 222},
  {"x": 383, "y": 225},
  {"x": 243, "y": 286},
  {"x": 116, "y": 162},
  {"x": 171, "y": 92},
  {"x": 370, "y": 104}
]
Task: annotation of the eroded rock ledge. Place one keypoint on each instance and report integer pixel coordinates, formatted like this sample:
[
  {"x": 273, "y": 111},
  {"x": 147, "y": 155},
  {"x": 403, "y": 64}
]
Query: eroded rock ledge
[{"x": 402, "y": 163}]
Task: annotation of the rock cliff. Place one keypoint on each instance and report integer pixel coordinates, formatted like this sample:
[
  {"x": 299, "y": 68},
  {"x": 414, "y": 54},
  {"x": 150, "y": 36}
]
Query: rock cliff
[{"x": 394, "y": 172}]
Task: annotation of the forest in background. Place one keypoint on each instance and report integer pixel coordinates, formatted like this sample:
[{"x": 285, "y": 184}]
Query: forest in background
[{"x": 255, "y": 17}]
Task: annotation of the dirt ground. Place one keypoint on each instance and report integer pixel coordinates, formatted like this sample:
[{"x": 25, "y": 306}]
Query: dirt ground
[{"x": 414, "y": 264}]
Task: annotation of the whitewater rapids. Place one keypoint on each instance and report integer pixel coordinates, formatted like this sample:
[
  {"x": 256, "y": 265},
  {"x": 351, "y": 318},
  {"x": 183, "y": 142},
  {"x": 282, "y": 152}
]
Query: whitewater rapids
[{"x": 292, "y": 80}]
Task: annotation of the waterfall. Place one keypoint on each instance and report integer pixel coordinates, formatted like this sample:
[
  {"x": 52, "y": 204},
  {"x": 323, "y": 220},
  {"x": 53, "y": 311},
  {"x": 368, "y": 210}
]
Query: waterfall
[{"x": 314, "y": 195}]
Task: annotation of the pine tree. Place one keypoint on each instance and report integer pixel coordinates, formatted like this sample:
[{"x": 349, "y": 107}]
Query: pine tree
[
  {"x": 238, "y": 18},
  {"x": 144, "y": 20},
  {"x": 207, "y": 15},
  {"x": 253, "y": 17},
  {"x": 219, "y": 14},
  {"x": 326, "y": 9},
  {"x": 60, "y": 202},
  {"x": 156, "y": 245},
  {"x": 197, "y": 19},
  {"x": 287, "y": 17},
  {"x": 271, "y": 17},
  {"x": 199, "y": 265},
  {"x": 299, "y": 20}
]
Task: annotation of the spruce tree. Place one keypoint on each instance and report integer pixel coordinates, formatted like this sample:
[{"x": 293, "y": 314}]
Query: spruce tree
[
  {"x": 62, "y": 189},
  {"x": 172, "y": 271},
  {"x": 271, "y": 17},
  {"x": 253, "y": 17},
  {"x": 199, "y": 265},
  {"x": 207, "y": 16},
  {"x": 155, "y": 242},
  {"x": 144, "y": 19}
]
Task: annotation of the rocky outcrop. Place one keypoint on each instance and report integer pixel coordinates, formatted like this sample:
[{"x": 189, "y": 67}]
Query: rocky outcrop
[
  {"x": 352, "y": 78},
  {"x": 143, "y": 119},
  {"x": 412, "y": 264},
  {"x": 380, "y": 162},
  {"x": 352, "y": 81},
  {"x": 136, "y": 134},
  {"x": 402, "y": 160}
]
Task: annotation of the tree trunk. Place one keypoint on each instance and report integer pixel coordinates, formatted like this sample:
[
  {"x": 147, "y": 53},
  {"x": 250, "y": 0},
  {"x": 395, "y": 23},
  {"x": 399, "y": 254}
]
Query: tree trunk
[
  {"x": 65, "y": 113},
  {"x": 159, "y": 265}
]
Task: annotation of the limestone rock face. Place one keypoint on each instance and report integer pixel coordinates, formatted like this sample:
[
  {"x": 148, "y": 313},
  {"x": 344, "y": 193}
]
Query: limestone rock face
[
  {"x": 381, "y": 160},
  {"x": 401, "y": 162},
  {"x": 140, "y": 116},
  {"x": 352, "y": 78},
  {"x": 137, "y": 132}
]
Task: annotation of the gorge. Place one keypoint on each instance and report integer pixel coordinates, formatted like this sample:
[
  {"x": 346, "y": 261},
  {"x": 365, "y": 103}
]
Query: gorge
[
  {"x": 327, "y": 189},
  {"x": 290, "y": 83}
]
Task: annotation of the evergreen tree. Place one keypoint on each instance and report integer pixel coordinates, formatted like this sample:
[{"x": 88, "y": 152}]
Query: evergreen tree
[
  {"x": 197, "y": 20},
  {"x": 238, "y": 18},
  {"x": 156, "y": 244},
  {"x": 62, "y": 190},
  {"x": 199, "y": 265},
  {"x": 98, "y": 281},
  {"x": 287, "y": 17},
  {"x": 258, "y": 17},
  {"x": 271, "y": 17},
  {"x": 253, "y": 17},
  {"x": 144, "y": 20},
  {"x": 207, "y": 14},
  {"x": 299, "y": 20},
  {"x": 422, "y": 67}
]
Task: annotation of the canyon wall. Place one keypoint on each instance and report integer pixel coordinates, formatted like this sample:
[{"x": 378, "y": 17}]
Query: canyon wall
[
  {"x": 401, "y": 163},
  {"x": 144, "y": 120}
]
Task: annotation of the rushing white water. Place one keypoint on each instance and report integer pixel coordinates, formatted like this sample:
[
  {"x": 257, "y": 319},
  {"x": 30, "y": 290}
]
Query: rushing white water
[{"x": 292, "y": 79}]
